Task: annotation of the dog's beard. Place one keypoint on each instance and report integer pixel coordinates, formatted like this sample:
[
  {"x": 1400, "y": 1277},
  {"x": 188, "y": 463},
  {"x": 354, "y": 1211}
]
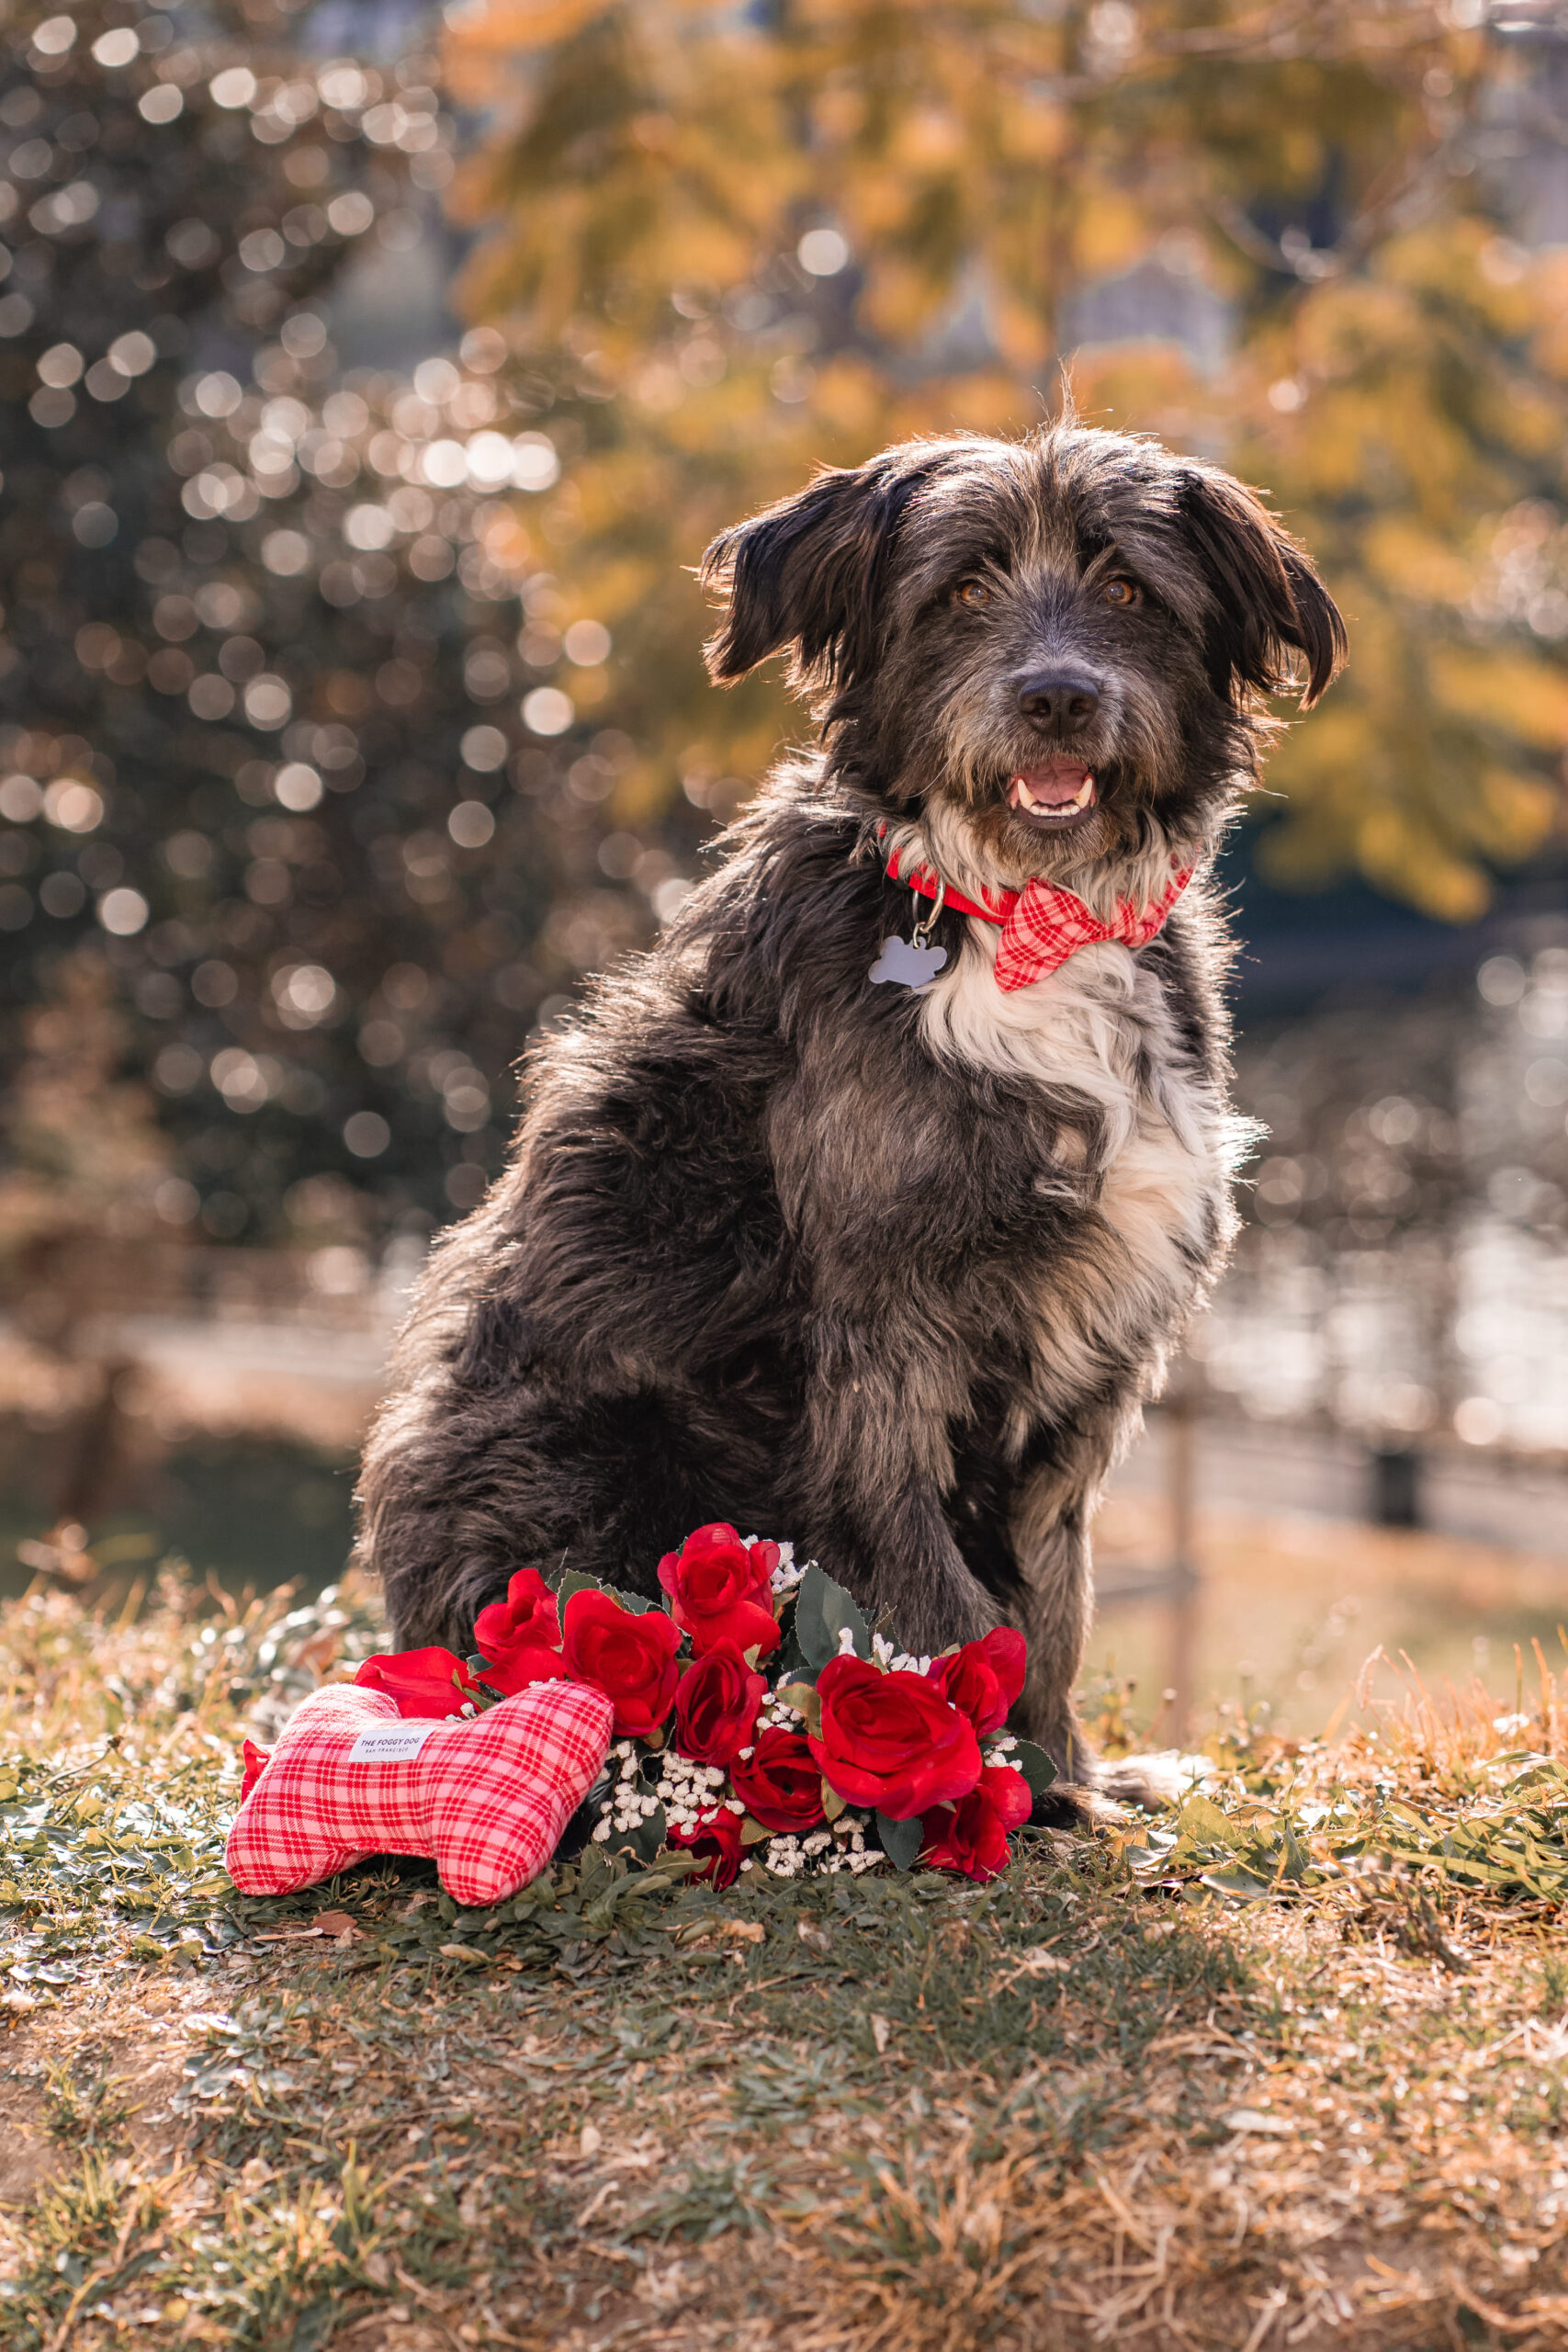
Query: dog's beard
[
  {"x": 945, "y": 836},
  {"x": 1114, "y": 843}
]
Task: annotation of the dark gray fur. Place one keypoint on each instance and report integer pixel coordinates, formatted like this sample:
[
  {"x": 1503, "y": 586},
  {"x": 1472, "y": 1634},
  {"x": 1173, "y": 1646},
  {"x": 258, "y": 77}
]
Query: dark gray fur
[{"x": 763, "y": 1254}]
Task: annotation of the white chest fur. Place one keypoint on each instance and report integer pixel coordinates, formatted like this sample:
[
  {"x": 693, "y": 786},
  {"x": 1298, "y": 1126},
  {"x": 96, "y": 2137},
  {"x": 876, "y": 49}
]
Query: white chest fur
[{"x": 1100, "y": 1030}]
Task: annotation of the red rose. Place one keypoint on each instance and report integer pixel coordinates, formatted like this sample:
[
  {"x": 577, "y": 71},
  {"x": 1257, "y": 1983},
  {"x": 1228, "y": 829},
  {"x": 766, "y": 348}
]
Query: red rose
[
  {"x": 721, "y": 1589},
  {"x": 717, "y": 1837},
  {"x": 971, "y": 1836},
  {"x": 630, "y": 1658},
  {"x": 716, "y": 1706},
  {"x": 780, "y": 1783},
  {"x": 519, "y": 1637},
  {"x": 890, "y": 1740},
  {"x": 984, "y": 1677},
  {"x": 424, "y": 1682}
]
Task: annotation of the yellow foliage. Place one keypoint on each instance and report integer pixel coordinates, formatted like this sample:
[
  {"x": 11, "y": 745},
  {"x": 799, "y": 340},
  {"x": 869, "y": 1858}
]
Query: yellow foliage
[
  {"x": 1415, "y": 562},
  {"x": 1110, "y": 236},
  {"x": 1522, "y": 811},
  {"x": 1507, "y": 694},
  {"x": 654, "y": 164}
]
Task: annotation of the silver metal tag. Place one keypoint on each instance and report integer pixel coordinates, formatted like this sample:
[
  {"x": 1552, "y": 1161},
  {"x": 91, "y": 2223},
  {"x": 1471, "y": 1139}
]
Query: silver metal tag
[{"x": 906, "y": 965}]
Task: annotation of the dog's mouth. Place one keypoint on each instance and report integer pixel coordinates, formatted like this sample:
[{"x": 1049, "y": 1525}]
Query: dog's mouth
[{"x": 1053, "y": 798}]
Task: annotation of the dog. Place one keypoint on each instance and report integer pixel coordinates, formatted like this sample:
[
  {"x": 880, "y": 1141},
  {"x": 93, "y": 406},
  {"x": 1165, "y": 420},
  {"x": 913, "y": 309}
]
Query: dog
[{"x": 859, "y": 1210}]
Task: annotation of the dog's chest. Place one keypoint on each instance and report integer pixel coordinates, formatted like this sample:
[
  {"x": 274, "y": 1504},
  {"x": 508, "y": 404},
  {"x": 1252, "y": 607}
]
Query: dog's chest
[{"x": 1145, "y": 1210}]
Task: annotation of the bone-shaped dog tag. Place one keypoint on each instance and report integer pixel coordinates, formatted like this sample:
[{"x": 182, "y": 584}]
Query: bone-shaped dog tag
[{"x": 909, "y": 967}]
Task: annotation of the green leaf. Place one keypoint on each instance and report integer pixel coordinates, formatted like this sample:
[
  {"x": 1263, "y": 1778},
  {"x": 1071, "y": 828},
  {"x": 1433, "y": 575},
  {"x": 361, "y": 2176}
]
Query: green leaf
[
  {"x": 1201, "y": 1822},
  {"x": 752, "y": 1832},
  {"x": 1035, "y": 1766},
  {"x": 1236, "y": 1882},
  {"x": 832, "y": 1802},
  {"x": 642, "y": 1843},
  {"x": 636, "y": 1604},
  {"x": 823, "y": 1610},
  {"x": 802, "y": 1698},
  {"x": 901, "y": 1840},
  {"x": 573, "y": 1581}
]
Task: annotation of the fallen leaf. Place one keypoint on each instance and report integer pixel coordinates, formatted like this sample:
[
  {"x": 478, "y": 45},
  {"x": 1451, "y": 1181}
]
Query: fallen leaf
[
  {"x": 591, "y": 2140},
  {"x": 335, "y": 1923},
  {"x": 880, "y": 2033},
  {"x": 1252, "y": 2119},
  {"x": 745, "y": 1931}
]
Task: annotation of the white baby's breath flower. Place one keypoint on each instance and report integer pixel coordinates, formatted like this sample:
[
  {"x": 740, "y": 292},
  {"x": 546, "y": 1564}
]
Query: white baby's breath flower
[
  {"x": 847, "y": 1641},
  {"x": 787, "y": 1576}
]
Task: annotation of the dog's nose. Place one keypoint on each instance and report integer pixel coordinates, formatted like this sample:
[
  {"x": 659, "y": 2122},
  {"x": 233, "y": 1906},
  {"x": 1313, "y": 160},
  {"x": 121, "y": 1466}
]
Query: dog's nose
[{"x": 1064, "y": 700}]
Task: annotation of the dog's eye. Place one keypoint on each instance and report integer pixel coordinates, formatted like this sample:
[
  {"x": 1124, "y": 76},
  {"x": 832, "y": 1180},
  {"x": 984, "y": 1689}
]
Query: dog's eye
[
  {"x": 972, "y": 592},
  {"x": 1121, "y": 594}
]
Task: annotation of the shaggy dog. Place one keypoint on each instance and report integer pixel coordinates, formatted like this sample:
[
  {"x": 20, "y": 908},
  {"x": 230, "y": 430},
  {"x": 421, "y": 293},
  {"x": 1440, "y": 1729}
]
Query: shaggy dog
[{"x": 888, "y": 1259}]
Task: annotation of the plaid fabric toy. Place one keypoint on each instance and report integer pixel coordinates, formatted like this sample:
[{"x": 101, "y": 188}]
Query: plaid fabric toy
[{"x": 487, "y": 1798}]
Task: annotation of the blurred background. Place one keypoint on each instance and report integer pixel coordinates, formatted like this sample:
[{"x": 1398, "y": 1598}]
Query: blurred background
[{"x": 371, "y": 377}]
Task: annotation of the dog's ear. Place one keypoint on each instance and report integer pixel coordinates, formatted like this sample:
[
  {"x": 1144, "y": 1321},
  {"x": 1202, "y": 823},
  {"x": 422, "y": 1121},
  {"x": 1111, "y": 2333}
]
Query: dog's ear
[
  {"x": 809, "y": 572},
  {"x": 1271, "y": 603}
]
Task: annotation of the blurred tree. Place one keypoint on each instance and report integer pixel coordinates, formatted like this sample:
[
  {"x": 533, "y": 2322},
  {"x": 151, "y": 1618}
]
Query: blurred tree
[
  {"x": 261, "y": 761},
  {"x": 347, "y": 719},
  {"x": 747, "y": 241}
]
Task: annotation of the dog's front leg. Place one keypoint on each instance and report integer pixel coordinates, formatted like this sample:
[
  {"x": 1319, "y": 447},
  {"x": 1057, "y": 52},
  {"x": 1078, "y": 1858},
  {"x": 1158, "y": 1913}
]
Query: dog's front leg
[
  {"x": 1050, "y": 1524},
  {"x": 1055, "y": 1605},
  {"x": 877, "y": 1462}
]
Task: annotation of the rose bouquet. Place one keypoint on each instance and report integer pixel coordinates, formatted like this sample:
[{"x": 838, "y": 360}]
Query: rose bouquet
[{"x": 759, "y": 1723}]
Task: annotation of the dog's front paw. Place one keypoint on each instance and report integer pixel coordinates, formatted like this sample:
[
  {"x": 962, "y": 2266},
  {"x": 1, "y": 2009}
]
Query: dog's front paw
[{"x": 1153, "y": 1781}]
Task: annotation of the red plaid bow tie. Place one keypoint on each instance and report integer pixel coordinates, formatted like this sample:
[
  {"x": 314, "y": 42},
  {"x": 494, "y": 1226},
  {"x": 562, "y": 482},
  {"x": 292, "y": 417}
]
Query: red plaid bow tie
[{"x": 1042, "y": 925}]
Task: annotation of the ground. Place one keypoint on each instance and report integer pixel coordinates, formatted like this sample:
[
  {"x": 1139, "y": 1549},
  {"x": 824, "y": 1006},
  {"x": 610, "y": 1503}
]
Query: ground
[{"x": 1285, "y": 2067}]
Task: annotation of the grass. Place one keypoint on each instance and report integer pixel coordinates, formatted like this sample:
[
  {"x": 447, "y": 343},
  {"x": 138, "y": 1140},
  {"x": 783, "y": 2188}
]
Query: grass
[{"x": 1289, "y": 2066}]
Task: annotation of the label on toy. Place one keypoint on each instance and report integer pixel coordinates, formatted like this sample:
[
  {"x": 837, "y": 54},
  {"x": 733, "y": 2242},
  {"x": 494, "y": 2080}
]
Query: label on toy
[{"x": 391, "y": 1744}]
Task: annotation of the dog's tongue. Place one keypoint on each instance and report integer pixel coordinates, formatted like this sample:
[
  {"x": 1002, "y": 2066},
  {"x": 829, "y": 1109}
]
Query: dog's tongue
[{"x": 1053, "y": 785}]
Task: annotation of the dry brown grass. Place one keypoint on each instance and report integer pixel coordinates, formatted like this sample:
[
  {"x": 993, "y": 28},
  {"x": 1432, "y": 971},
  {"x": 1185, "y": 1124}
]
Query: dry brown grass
[{"x": 1107, "y": 2102}]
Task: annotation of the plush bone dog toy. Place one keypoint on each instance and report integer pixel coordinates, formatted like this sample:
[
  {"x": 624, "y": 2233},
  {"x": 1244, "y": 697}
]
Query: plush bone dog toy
[{"x": 485, "y": 1798}]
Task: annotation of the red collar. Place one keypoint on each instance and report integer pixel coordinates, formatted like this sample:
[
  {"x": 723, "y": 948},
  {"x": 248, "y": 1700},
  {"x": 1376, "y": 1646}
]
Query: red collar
[
  {"x": 1042, "y": 924},
  {"x": 928, "y": 883}
]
